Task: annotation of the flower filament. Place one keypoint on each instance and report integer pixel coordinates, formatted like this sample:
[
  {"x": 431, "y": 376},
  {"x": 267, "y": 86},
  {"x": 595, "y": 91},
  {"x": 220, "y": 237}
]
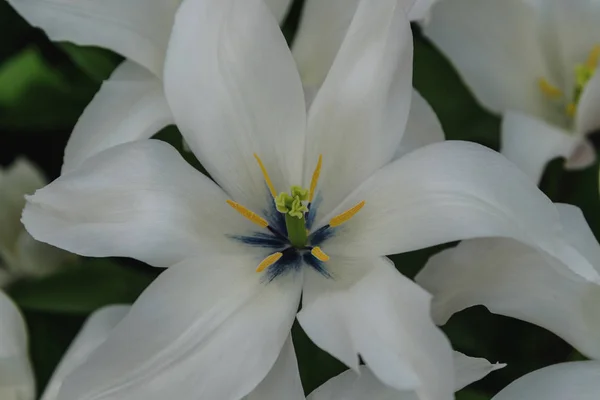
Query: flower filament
[{"x": 292, "y": 239}]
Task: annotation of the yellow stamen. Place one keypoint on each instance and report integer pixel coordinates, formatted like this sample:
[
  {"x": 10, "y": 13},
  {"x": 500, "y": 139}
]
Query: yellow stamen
[
  {"x": 266, "y": 175},
  {"x": 315, "y": 179},
  {"x": 346, "y": 215},
  {"x": 319, "y": 254},
  {"x": 267, "y": 262},
  {"x": 548, "y": 89},
  {"x": 571, "y": 109},
  {"x": 593, "y": 58},
  {"x": 248, "y": 214}
]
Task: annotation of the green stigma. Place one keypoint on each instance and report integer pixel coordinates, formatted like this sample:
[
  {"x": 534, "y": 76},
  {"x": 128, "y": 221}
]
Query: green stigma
[{"x": 291, "y": 205}]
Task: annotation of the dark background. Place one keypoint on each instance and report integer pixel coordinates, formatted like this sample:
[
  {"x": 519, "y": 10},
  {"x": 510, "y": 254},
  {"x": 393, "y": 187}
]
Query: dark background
[{"x": 44, "y": 87}]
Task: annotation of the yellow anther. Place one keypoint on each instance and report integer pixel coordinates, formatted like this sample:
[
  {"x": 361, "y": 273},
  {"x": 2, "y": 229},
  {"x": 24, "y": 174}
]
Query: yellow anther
[
  {"x": 548, "y": 89},
  {"x": 319, "y": 254},
  {"x": 266, "y": 175},
  {"x": 258, "y": 220},
  {"x": 315, "y": 179},
  {"x": 346, "y": 215},
  {"x": 593, "y": 58},
  {"x": 571, "y": 109},
  {"x": 267, "y": 262}
]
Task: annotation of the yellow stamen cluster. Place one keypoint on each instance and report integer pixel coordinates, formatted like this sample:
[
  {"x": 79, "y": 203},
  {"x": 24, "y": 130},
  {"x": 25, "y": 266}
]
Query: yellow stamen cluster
[{"x": 583, "y": 73}]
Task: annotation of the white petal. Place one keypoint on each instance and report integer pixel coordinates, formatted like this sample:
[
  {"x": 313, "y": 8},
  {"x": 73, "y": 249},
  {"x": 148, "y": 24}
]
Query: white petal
[
  {"x": 19, "y": 179},
  {"x": 207, "y": 328},
  {"x": 441, "y": 193},
  {"x": 350, "y": 385},
  {"x": 234, "y": 91},
  {"x": 518, "y": 281},
  {"x": 469, "y": 369},
  {"x": 94, "y": 332},
  {"x": 578, "y": 233},
  {"x": 357, "y": 120},
  {"x": 279, "y": 8},
  {"x": 322, "y": 29},
  {"x": 136, "y": 29},
  {"x": 16, "y": 376},
  {"x": 384, "y": 317},
  {"x": 139, "y": 200},
  {"x": 423, "y": 127},
  {"x": 283, "y": 381},
  {"x": 494, "y": 46},
  {"x": 531, "y": 143},
  {"x": 575, "y": 380},
  {"x": 323, "y": 26},
  {"x": 129, "y": 106},
  {"x": 588, "y": 118}
]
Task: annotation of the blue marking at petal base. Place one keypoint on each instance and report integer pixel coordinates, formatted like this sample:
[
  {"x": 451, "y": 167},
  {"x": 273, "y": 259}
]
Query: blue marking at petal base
[
  {"x": 316, "y": 264},
  {"x": 263, "y": 240},
  {"x": 312, "y": 210},
  {"x": 289, "y": 261},
  {"x": 321, "y": 235}
]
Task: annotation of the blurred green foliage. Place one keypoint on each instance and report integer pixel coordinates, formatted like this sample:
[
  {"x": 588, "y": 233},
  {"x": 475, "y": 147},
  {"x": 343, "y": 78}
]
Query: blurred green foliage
[{"x": 45, "y": 86}]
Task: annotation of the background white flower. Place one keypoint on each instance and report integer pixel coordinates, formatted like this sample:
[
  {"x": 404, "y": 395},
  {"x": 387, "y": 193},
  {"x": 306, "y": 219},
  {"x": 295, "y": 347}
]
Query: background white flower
[
  {"x": 533, "y": 61},
  {"x": 21, "y": 255},
  {"x": 521, "y": 281}
]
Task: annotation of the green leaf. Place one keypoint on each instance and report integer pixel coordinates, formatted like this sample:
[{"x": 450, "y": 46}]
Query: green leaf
[
  {"x": 82, "y": 288},
  {"x": 97, "y": 63}
]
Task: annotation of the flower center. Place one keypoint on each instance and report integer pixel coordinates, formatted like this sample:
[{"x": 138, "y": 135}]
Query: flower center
[
  {"x": 583, "y": 73},
  {"x": 292, "y": 238}
]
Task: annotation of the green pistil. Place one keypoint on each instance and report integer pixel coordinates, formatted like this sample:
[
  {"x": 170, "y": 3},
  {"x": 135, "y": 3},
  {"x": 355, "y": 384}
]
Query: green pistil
[{"x": 294, "y": 210}]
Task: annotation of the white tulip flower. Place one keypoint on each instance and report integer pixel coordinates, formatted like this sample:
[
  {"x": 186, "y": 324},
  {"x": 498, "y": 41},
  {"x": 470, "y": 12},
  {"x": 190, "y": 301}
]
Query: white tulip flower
[
  {"x": 534, "y": 62},
  {"x": 242, "y": 249}
]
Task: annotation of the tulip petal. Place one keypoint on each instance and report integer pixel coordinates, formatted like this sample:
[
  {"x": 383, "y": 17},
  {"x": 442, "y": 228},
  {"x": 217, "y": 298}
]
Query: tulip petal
[
  {"x": 234, "y": 90},
  {"x": 517, "y": 281},
  {"x": 130, "y": 106},
  {"x": 16, "y": 375},
  {"x": 283, "y": 381},
  {"x": 358, "y": 117},
  {"x": 95, "y": 331},
  {"x": 137, "y": 29},
  {"x": 369, "y": 308},
  {"x": 470, "y": 369},
  {"x": 441, "y": 193},
  {"x": 574, "y": 380},
  {"x": 588, "y": 118},
  {"x": 139, "y": 200},
  {"x": 207, "y": 328},
  {"x": 531, "y": 143}
]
